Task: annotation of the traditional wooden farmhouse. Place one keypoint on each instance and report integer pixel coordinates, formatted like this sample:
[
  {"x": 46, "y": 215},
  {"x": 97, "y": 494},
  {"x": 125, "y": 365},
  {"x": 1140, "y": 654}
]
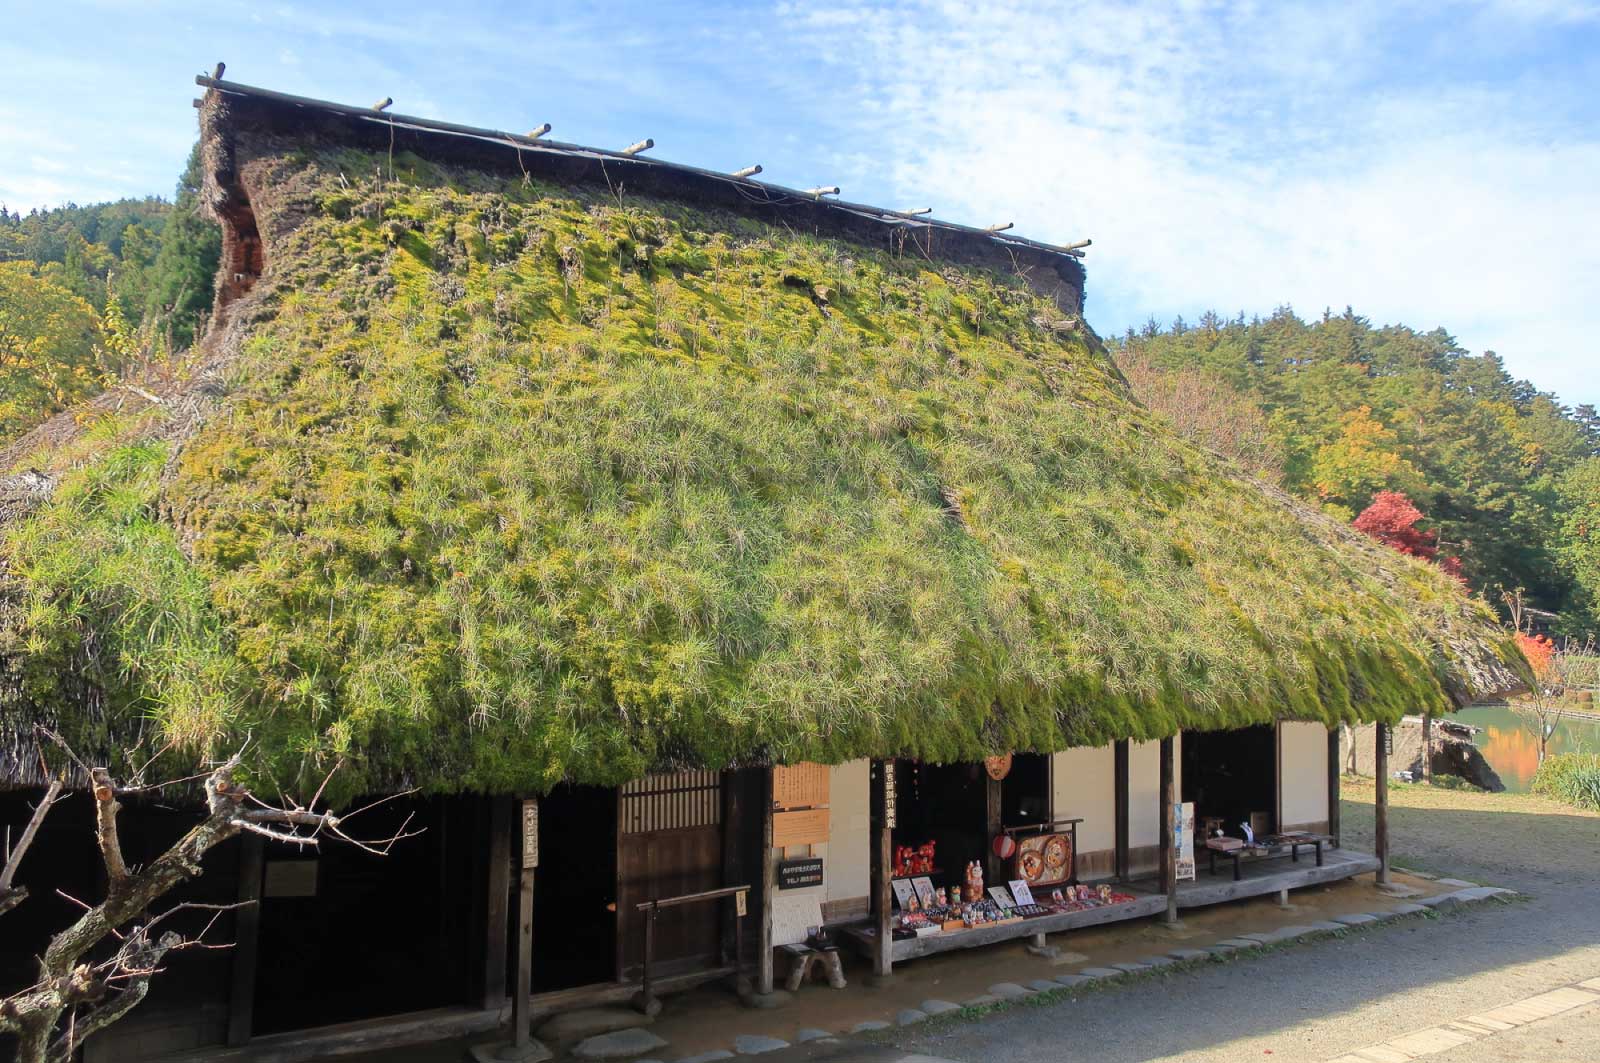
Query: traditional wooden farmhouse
[{"x": 716, "y": 560}]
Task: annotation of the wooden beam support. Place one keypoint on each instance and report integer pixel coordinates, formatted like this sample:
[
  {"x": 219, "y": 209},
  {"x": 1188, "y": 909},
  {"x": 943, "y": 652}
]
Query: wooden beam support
[
  {"x": 994, "y": 800},
  {"x": 1427, "y": 747},
  {"x": 1169, "y": 828},
  {"x": 883, "y": 815},
  {"x": 497, "y": 902},
  {"x": 1119, "y": 785},
  {"x": 764, "y": 974},
  {"x": 1334, "y": 771},
  {"x": 1380, "y": 810},
  {"x": 732, "y": 863},
  {"x": 246, "y": 941}
]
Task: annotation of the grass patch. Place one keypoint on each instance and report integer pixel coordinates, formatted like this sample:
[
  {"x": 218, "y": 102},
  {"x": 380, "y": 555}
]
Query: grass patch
[{"x": 1573, "y": 778}]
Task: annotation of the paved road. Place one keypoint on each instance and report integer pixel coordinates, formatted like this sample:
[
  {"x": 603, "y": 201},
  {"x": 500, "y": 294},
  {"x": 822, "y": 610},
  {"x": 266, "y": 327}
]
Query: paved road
[{"x": 1319, "y": 1001}]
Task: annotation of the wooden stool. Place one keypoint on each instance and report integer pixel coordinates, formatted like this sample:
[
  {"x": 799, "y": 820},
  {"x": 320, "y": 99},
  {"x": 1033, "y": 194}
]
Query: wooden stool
[{"x": 801, "y": 960}]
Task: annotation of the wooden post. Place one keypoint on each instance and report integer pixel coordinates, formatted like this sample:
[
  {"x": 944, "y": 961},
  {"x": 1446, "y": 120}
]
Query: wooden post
[
  {"x": 647, "y": 997},
  {"x": 764, "y": 976},
  {"x": 1380, "y": 827},
  {"x": 732, "y": 863},
  {"x": 994, "y": 792},
  {"x": 1427, "y": 747},
  {"x": 1119, "y": 786},
  {"x": 883, "y": 817},
  {"x": 1277, "y": 775},
  {"x": 246, "y": 943},
  {"x": 498, "y": 888},
  {"x": 1334, "y": 771},
  {"x": 526, "y": 868},
  {"x": 1169, "y": 852}
]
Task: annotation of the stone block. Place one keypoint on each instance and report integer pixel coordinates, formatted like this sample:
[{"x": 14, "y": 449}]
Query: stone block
[
  {"x": 618, "y": 1044},
  {"x": 753, "y": 1044}
]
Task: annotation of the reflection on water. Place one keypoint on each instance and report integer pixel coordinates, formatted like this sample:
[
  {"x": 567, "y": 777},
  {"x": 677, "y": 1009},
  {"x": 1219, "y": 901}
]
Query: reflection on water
[{"x": 1510, "y": 744}]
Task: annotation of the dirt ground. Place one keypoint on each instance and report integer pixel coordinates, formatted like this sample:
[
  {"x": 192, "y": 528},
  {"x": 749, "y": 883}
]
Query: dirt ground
[
  {"x": 1547, "y": 850},
  {"x": 1319, "y": 1000},
  {"x": 1519, "y": 840}
]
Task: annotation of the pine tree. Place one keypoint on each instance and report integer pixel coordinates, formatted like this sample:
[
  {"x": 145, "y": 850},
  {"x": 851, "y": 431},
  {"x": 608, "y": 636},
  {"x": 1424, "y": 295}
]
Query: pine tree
[{"x": 185, "y": 267}]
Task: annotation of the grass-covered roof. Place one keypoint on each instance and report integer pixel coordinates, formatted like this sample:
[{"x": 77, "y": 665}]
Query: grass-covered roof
[{"x": 491, "y": 482}]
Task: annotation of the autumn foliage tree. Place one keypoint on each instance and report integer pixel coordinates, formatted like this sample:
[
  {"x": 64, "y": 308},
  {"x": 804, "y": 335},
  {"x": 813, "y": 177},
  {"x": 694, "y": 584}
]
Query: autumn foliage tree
[
  {"x": 1549, "y": 685},
  {"x": 1392, "y": 519}
]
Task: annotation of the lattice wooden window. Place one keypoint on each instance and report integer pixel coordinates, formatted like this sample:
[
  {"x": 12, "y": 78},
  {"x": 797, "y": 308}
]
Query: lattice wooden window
[{"x": 672, "y": 802}]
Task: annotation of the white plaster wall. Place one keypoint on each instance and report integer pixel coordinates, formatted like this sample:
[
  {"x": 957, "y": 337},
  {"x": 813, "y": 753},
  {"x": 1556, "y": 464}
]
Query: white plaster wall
[
  {"x": 846, "y": 860},
  {"x": 1303, "y": 748},
  {"x": 1144, "y": 789},
  {"x": 847, "y": 867},
  {"x": 1084, "y": 784}
]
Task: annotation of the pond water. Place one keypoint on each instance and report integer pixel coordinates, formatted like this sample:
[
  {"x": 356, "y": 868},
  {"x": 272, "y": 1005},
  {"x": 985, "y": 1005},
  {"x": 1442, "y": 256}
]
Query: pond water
[{"x": 1510, "y": 744}]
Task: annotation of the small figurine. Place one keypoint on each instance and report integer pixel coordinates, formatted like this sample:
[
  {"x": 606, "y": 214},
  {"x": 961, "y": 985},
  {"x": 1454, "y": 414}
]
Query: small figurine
[{"x": 974, "y": 885}]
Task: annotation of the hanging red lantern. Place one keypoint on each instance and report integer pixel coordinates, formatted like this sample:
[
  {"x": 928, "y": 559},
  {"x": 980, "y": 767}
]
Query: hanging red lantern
[{"x": 1005, "y": 846}]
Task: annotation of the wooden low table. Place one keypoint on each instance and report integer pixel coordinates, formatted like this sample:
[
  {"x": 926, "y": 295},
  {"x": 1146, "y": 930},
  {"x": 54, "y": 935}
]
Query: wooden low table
[{"x": 1292, "y": 845}]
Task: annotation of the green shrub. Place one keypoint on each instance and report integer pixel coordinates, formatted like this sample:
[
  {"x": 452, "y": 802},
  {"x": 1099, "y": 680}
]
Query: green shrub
[{"x": 1571, "y": 777}]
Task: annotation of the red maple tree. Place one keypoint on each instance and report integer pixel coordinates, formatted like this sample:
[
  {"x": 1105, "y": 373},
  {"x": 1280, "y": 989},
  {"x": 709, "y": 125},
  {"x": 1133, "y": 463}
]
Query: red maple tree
[
  {"x": 1392, "y": 518},
  {"x": 1539, "y": 651}
]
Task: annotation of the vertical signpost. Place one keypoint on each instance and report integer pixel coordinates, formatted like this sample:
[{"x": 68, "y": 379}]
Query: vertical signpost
[
  {"x": 522, "y": 1048},
  {"x": 525, "y": 872},
  {"x": 882, "y": 868},
  {"x": 1185, "y": 840}
]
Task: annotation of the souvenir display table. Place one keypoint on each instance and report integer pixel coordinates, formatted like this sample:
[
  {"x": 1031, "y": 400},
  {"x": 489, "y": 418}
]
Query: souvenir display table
[
  {"x": 923, "y": 934},
  {"x": 1269, "y": 847}
]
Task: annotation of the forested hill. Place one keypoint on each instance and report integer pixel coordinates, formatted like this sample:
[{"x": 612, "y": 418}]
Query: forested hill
[
  {"x": 88, "y": 293},
  {"x": 1337, "y": 410}
]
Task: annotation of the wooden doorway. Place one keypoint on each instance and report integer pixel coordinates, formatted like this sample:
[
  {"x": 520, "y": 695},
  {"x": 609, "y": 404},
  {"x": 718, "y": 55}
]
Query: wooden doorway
[{"x": 669, "y": 844}]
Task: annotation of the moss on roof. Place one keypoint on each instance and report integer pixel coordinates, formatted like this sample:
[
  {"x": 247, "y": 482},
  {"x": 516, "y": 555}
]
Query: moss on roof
[{"x": 513, "y": 483}]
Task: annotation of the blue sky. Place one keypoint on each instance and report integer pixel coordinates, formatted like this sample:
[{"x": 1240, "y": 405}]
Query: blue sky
[{"x": 1432, "y": 163}]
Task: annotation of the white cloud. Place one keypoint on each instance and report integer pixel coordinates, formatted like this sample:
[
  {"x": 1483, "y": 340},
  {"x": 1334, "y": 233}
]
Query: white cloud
[{"x": 1239, "y": 157}]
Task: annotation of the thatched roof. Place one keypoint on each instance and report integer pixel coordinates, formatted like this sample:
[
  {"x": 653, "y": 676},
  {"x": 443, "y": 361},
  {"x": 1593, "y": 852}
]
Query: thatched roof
[{"x": 505, "y": 471}]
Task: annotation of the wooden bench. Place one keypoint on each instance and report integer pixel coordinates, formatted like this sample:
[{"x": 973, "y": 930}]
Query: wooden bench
[
  {"x": 803, "y": 957},
  {"x": 1267, "y": 850}
]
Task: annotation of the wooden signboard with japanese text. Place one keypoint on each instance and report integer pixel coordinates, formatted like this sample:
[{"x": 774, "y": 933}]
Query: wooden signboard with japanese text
[
  {"x": 530, "y": 835},
  {"x": 800, "y": 786},
  {"x": 805, "y": 827}
]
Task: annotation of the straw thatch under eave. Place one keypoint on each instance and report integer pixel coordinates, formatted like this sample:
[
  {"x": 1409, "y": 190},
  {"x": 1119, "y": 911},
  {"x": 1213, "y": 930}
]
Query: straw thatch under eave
[{"x": 492, "y": 480}]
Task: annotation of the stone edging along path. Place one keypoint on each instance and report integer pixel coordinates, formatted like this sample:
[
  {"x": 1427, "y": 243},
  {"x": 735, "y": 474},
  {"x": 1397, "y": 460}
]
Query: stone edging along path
[{"x": 1042, "y": 992}]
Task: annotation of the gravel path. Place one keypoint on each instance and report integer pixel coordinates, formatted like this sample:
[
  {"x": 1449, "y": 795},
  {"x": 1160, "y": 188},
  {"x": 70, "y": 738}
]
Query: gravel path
[{"x": 1317, "y": 1001}]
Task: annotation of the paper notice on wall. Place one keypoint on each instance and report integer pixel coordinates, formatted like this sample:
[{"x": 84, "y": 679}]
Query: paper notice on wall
[
  {"x": 1183, "y": 823},
  {"x": 793, "y": 917}
]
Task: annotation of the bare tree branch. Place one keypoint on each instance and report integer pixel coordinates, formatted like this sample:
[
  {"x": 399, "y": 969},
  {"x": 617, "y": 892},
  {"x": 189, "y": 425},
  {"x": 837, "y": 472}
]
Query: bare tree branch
[
  {"x": 48, "y": 1018},
  {"x": 105, "y": 817},
  {"x": 11, "y": 897}
]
